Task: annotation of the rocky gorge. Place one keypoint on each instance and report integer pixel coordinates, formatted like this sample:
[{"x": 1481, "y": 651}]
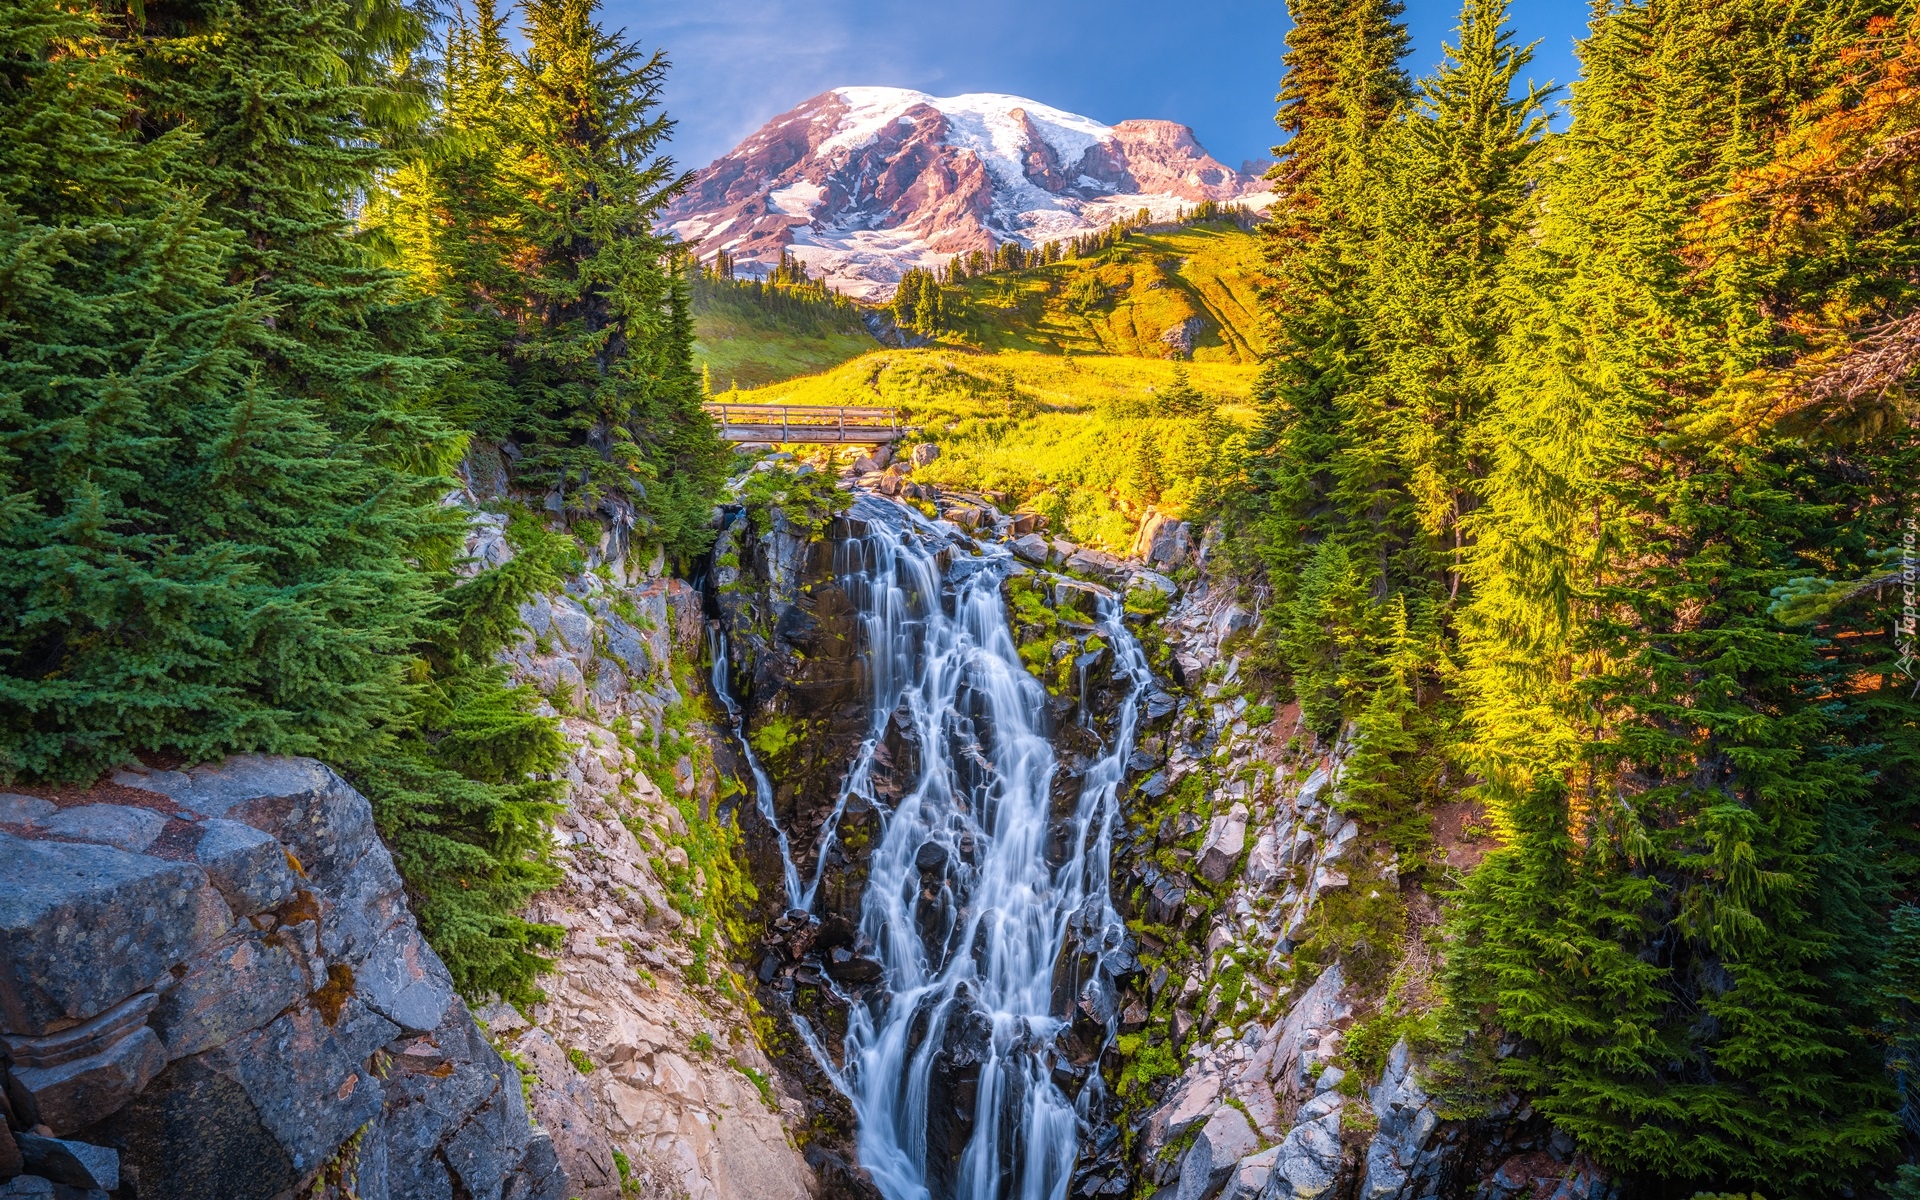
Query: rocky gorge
[{"x": 215, "y": 987}]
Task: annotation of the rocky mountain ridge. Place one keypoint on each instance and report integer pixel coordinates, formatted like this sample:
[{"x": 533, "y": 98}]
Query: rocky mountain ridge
[{"x": 862, "y": 183}]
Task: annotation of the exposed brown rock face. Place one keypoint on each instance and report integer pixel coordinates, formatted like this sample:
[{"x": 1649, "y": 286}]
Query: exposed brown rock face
[{"x": 863, "y": 183}]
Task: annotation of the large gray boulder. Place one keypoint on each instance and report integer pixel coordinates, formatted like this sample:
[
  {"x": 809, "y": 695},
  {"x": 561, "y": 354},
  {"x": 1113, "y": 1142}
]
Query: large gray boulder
[
  {"x": 1224, "y": 1140},
  {"x": 234, "y": 1060},
  {"x": 83, "y": 927},
  {"x": 1226, "y": 838},
  {"x": 1400, "y": 1163},
  {"x": 1308, "y": 1161}
]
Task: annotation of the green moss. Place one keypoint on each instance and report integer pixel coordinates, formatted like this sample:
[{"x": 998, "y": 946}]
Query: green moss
[{"x": 580, "y": 1061}]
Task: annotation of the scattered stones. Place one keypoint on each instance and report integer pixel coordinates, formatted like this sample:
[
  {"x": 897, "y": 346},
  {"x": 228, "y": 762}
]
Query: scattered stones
[{"x": 1226, "y": 838}]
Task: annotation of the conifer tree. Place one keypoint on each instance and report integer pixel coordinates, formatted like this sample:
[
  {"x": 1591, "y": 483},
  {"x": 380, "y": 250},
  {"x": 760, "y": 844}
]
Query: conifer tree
[
  {"x": 191, "y": 562},
  {"x": 574, "y": 322},
  {"x": 1675, "y": 920},
  {"x": 296, "y": 108}
]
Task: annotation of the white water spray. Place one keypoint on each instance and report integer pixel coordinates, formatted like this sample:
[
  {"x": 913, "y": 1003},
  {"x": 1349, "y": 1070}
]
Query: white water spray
[
  {"x": 762, "y": 786},
  {"x": 975, "y": 883}
]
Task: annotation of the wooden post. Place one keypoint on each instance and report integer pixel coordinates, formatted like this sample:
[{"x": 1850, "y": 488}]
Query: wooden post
[
  {"x": 783, "y": 424},
  {"x": 843, "y": 422}
]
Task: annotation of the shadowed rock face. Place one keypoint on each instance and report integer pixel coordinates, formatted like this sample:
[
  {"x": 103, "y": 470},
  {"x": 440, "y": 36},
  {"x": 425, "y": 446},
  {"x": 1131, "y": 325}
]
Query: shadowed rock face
[
  {"x": 219, "y": 1015},
  {"x": 863, "y": 183}
]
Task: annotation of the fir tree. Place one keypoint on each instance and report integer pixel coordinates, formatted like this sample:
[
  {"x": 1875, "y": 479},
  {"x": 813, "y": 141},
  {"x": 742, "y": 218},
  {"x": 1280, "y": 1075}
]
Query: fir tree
[
  {"x": 574, "y": 327},
  {"x": 1664, "y": 759},
  {"x": 191, "y": 561}
]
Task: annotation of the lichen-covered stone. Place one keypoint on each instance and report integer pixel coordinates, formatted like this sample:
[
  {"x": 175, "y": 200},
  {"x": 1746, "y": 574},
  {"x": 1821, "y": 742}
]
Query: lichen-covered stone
[
  {"x": 82, "y": 927},
  {"x": 248, "y": 867},
  {"x": 234, "y": 986}
]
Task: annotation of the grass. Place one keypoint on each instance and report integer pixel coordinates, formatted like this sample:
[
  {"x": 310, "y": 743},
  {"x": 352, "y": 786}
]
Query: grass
[
  {"x": 747, "y": 337},
  {"x": 1081, "y": 440},
  {"x": 1118, "y": 304},
  {"x": 1123, "y": 300}
]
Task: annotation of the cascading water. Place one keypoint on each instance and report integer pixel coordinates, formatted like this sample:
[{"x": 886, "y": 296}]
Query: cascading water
[
  {"x": 762, "y": 786},
  {"x": 977, "y": 882}
]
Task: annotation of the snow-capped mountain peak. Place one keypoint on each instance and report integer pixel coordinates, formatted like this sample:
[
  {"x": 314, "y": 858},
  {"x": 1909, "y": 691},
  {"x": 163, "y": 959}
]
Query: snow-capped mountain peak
[{"x": 862, "y": 183}]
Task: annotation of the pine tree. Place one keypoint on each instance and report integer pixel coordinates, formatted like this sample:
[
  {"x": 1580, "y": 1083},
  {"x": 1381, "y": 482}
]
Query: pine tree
[
  {"x": 1675, "y": 922},
  {"x": 575, "y": 330},
  {"x": 191, "y": 562}
]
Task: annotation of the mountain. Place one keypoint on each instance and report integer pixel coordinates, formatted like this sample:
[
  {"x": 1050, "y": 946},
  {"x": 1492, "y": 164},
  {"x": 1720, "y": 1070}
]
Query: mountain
[{"x": 862, "y": 183}]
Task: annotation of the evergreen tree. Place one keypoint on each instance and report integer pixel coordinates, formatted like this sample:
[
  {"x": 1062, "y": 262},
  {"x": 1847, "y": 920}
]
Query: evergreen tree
[
  {"x": 1676, "y": 922},
  {"x": 574, "y": 328},
  {"x": 288, "y": 143},
  {"x": 191, "y": 561}
]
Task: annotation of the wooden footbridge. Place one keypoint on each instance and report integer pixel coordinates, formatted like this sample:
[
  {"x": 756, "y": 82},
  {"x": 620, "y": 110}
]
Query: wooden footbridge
[{"x": 807, "y": 423}]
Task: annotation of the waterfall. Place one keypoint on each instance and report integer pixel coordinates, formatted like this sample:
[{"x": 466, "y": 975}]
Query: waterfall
[
  {"x": 762, "y": 786},
  {"x": 977, "y": 880}
]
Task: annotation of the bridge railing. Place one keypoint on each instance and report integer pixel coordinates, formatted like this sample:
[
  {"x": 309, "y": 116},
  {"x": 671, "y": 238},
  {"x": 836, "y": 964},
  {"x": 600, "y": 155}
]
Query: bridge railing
[{"x": 809, "y": 421}]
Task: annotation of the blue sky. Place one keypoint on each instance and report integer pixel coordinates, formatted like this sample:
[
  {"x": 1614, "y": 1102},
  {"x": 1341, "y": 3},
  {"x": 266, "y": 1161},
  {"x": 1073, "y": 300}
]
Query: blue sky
[{"x": 1213, "y": 66}]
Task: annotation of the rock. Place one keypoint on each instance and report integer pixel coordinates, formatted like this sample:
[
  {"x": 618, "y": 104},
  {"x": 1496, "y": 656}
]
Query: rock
[
  {"x": 1226, "y": 838},
  {"x": 1399, "y": 1162},
  {"x": 563, "y": 1104},
  {"x": 1062, "y": 550},
  {"x": 75, "y": 1164},
  {"x": 404, "y": 981},
  {"x": 1163, "y": 542},
  {"x": 1264, "y": 862},
  {"x": 1307, "y": 1160},
  {"x": 249, "y": 868},
  {"x": 23, "y": 810},
  {"x": 89, "y": 1077},
  {"x": 307, "y": 1078},
  {"x": 1026, "y": 523},
  {"x": 115, "y": 825},
  {"x": 1312, "y": 1019},
  {"x": 1326, "y": 879},
  {"x": 82, "y": 927},
  {"x": 11, "y": 1163},
  {"x": 1228, "y": 621},
  {"x": 1093, "y": 562},
  {"x": 966, "y": 516},
  {"x": 1224, "y": 1140},
  {"x": 1192, "y": 1102},
  {"x": 1152, "y": 581},
  {"x": 1032, "y": 548},
  {"x": 234, "y": 986},
  {"x": 923, "y": 453},
  {"x": 1250, "y": 1176},
  {"x": 848, "y": 967},
  {"x": 300, "y": 801}
]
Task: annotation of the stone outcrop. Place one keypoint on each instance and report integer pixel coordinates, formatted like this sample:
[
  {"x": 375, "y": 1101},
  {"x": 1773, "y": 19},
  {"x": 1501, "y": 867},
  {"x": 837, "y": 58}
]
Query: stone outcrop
[
  {"x": 211, "y": 986},
  {"x": 1268, "y": 1104},
  {"x": 642, "y": 1063}
]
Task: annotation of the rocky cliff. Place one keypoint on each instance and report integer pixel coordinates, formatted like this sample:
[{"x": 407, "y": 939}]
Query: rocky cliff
[
  {"x": 862, "y": 183},
  {"x": 211, "y": 987}
]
